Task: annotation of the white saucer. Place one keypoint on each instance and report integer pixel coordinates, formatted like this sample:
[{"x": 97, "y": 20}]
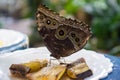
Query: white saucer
[
  {"x": 98, "y": 63},
  {"x": 12, "y": 40}
]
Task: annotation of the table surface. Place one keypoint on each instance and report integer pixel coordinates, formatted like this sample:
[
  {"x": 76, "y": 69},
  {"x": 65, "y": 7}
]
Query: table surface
[{"x": 115, "y": 74}]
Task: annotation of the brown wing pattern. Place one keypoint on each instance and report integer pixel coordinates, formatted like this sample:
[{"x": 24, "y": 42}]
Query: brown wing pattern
[{"x": 61, "y": 36}]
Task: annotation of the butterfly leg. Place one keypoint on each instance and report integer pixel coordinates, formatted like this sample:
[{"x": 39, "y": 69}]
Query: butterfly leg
[
  {"x": 53, "y": 61},
  {"x": 62, "y": 60}
]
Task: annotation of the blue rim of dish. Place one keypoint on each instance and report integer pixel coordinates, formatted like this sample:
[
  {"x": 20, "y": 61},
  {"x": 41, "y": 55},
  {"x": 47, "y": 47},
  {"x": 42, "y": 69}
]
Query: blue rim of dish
[
  {"x": 22, "y": 37},
  {"x": 21, "y": 45}
]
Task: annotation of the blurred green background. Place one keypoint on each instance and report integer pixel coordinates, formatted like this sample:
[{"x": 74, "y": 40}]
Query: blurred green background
[{"x": 102, "y": 15}]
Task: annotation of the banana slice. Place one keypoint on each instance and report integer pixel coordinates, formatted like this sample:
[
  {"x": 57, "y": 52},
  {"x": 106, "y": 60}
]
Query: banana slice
[
  {"x": 78, "y": 69},
  {"x": 20, "y": 70},
  {"x": 48, "y": 73}
]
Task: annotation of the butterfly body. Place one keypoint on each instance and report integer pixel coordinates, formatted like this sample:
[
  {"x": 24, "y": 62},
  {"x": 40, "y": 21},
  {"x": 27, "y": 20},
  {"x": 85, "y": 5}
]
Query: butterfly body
[{"x": 62, "y": 36}]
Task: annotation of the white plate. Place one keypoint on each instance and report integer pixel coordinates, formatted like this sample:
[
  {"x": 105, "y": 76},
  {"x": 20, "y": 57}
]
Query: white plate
[
  {"x": 100, "y": 65},
  {"x": 10, "y": 37}
]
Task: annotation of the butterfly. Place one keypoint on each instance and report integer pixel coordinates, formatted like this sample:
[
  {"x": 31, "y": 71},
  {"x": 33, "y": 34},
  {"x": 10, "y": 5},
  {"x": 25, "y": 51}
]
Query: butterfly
[{"x": 62, "y": 36}]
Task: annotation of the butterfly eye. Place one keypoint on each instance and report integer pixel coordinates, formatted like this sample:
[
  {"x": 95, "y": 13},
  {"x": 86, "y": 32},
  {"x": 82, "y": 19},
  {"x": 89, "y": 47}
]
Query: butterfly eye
[
  {"x": 54, "y": 23},
  {"x": 48, "y": 22},
  {"x": 72, "y": 34},
  {"x": 77, "y": 39},
  {"x": 61, "y": 33},
  {"x": 51, "y": 23},
  {"x": 74, "y": 37}
]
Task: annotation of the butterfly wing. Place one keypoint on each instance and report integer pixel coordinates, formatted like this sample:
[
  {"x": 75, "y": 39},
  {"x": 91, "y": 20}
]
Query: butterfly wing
[{"x": 62, "y": 36}]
